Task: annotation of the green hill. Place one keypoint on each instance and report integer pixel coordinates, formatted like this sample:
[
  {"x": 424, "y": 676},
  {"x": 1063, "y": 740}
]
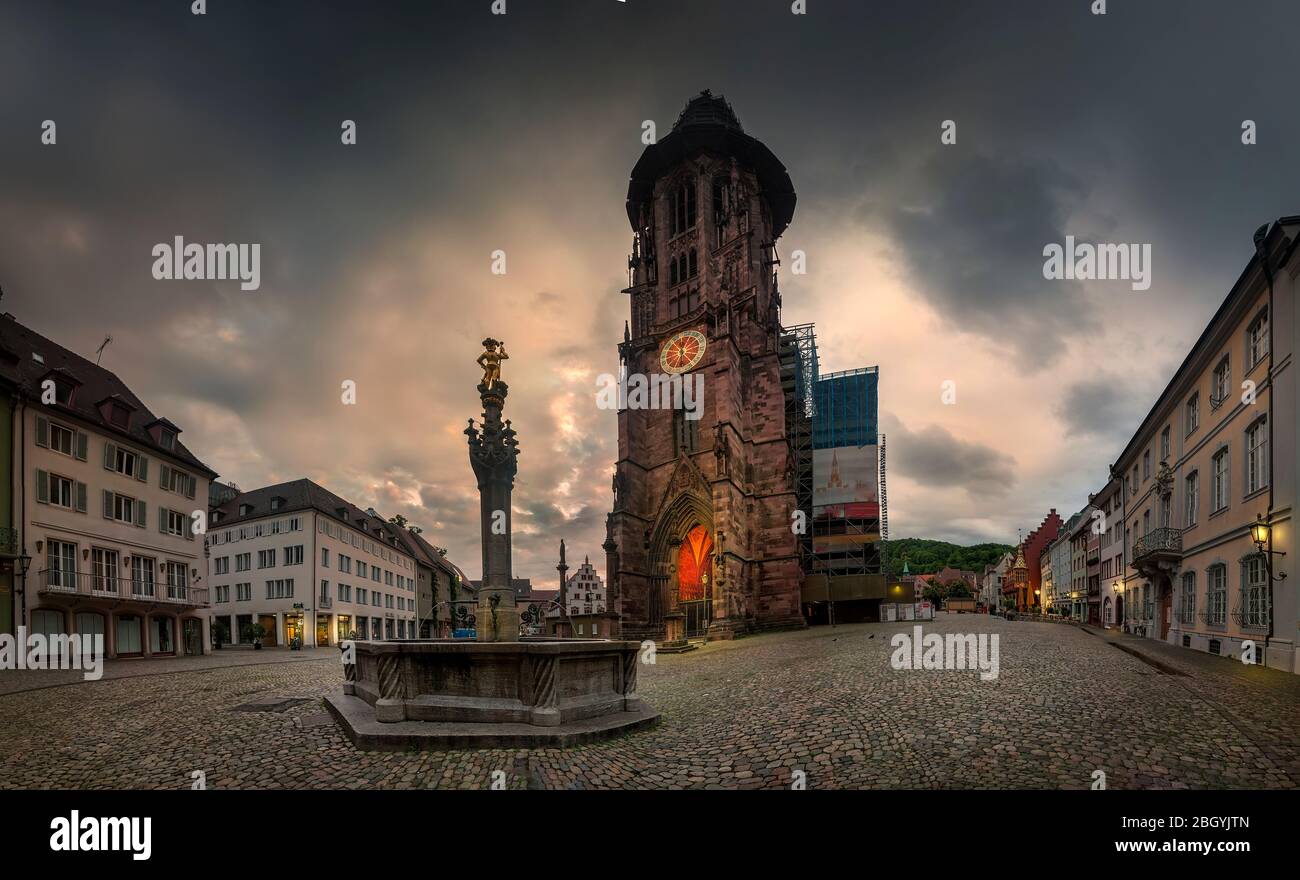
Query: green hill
[{"x": 926, "y": 557}]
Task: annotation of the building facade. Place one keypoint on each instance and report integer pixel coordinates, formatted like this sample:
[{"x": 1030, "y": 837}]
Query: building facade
[
  {"x": 700, "y": 534},
  {"x": 306, "y": 565},
  {"x": 106, "y": 495},
  {"x": 1215, "y": 455}
]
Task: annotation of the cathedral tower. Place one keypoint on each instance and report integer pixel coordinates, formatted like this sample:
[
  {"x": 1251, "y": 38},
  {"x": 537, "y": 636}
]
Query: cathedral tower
[{"x": 700, "y": 539}]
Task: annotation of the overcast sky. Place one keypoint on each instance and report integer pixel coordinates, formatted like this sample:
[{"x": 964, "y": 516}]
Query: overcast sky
[{"x": 479, "y": 132}]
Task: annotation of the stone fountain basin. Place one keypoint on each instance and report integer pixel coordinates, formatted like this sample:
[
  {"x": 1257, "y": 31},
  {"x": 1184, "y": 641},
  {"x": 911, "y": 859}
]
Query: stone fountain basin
[{"x": 538, "y": 681}]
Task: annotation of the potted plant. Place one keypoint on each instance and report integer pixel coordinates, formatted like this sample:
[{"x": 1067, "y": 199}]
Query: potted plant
[
  {"x": 255, "y": 632},
  {"x": 219, "y": 634}
]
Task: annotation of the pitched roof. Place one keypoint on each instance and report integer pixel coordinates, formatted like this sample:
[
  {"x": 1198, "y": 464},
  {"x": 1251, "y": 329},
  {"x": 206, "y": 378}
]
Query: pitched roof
[
  {"x": 27, "y": 358},
  {"x": 304, "y": 494},
  {"x": 422, "y": 550}
]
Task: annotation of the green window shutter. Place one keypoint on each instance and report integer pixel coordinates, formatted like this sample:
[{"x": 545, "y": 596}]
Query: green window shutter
[
  {"x": 164, "y": 474},
  {"x": 162, "y": 519},
  {"x": 42, "y": 431},
  {"x": 110, "y": 457},
  {"x": 142, "y": 469},
  {"x": 108, "y": 504},
  {"x": 141, "y": 510},
  {"x": 81, "y": 497},
  {"x": 83, "y": 445},
  {"x": 42, "y": 486}
]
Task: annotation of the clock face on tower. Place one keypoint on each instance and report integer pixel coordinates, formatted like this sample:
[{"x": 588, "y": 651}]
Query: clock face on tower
[{"x": 682, "y": 351}]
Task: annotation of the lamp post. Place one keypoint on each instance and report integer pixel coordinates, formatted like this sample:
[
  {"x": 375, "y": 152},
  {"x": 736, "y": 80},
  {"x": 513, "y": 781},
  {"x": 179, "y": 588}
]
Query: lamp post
[{"x": 1261, "y": 532}]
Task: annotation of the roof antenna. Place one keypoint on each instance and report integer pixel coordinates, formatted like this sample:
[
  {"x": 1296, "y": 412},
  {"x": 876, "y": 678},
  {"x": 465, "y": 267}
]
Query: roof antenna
[{"x": 99, "y": 352}]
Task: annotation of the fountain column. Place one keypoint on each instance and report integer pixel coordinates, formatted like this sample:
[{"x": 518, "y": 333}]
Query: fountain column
[{"x": 492, "y": 453}]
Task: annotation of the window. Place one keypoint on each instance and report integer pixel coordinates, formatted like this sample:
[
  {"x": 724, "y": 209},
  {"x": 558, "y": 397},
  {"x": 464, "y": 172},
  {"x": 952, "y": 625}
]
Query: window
[
  {"x": 1192, "y": 413},
  {"x": 1164, "y": 444},
  {"x": 1254, "y": 592},
  {"x": 345, "y": 564},
  {"x": 62, "y": 439},
  {"x": 1219, "y": 481},
  {"x": 686, "y": 431},
  {"x": 125, "y": 462},
  {"x": 266, "y": 558},
  {"x": 1192, "y": 494},
  {"x": 103, "y": 567},
  {"x": 124, "y": 509},
  {"x": 1146, "y": 464},
  {"x": 345, "y": 593},
  {"x": 1257, "y": 456},
  {"x": 173, "y": 522},
  {"x": 1257, "y": 340},
  {"x": 61, "y": 564},
  {"x": 243, "y": 592},
  {"x": 324, "y": 591},
  {"x": 223, "y": 594},
  {"x": 1133, "y": 486},
  {"x": 142, "y": 569},
  {"x": 388, "y": 578},
  {"x": 62, "y": 491},
  {"x": 281, "y": 588},
  {"x": 221, "y": 565},
  {"x": 361, "y": 595},
  {"x": 1219, "y": 383},
  {"x": 1216, "y": 598},
  {"x": 374, "y": 573},
  {"x": 178, "y": 481},
  {"x": 167, "y": 438},
  {"x": 293, "y": 555},
  {"x": 243, "y": 561},
  {"x": 177, "y": 580},
  {"x": 1146, "y": 601},
  {"x": 324, "y": 557},
  {"x": 683, "y": 208},
  {"x": 375, "y": 597},
  {"x": 1164, "y": 511},
  {"x": 1187, "y": 607},
  {"x": 361, "y": 568}
]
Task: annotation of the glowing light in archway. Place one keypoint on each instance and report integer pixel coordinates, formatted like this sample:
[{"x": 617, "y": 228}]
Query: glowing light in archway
[{"x": 694, "y": 560}]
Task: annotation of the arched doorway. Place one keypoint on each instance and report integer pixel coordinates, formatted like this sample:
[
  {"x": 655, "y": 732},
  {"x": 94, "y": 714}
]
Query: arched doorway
[
  {"x": 694, "y": 566},
  {"x": 1107, "y": 619}
]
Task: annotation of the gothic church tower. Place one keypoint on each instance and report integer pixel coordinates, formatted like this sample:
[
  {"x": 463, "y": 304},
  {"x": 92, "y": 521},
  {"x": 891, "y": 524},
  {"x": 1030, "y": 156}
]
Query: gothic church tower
[{"x": 700, "y": 540}]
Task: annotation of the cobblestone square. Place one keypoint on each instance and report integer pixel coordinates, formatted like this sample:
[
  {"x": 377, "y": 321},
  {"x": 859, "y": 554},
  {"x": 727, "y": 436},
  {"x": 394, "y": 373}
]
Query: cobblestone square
[{"x": 741, "y": 714}]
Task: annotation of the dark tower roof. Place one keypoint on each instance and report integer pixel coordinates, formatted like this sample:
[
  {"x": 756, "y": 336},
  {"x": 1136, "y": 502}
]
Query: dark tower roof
[{"x": 708, "y": 124}]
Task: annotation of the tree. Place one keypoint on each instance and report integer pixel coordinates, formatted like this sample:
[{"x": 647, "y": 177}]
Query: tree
[
  {"x": 934, "y": 594},
  {"x": 399, "y": 521},
  {"x": 957, "y": 589}
]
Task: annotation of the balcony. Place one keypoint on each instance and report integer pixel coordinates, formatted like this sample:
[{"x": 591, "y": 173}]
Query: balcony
[
  {"x": 1159, "y": 552},
  {"x": 324, "y": 602},
  {"x": 54, "y": 582}
]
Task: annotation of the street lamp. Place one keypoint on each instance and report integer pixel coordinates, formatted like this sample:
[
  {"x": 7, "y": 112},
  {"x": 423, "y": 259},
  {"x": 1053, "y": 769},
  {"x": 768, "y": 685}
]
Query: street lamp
[{"x": 1261, "y": 532}]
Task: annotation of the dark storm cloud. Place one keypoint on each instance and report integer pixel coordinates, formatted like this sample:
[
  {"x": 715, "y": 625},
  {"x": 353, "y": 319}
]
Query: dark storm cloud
[
  {"x": 935, "y": 458},
  {"x": 973, "y": 230},
  {"x": 478, "y": 132},
  {"x": 1105, "y": 407}
]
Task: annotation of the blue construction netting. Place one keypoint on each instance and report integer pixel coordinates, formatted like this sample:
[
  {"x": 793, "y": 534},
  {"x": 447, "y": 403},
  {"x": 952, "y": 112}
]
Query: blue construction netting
[{"x": 846, "y": 409}]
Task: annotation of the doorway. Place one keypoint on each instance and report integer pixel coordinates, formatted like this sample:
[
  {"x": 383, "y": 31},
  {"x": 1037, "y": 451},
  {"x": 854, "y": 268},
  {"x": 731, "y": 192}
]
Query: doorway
[
  {"x": 269, "y": 624},
  {"x": 1166, "y": 608},
  {"x": 192, "y": 635},
  {"x": 322, "y": 631}
]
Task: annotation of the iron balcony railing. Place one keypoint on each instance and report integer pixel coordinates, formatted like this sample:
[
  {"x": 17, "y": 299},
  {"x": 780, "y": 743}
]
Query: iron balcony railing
[
  {"x": 325, "y": 602},
  {"x": 1158, "y": 541},
  {"x": 82, "y": 583}
]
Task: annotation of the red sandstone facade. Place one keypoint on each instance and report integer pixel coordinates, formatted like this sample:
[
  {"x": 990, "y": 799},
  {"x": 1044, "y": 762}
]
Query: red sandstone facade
[{"x": 700, "y": 539}]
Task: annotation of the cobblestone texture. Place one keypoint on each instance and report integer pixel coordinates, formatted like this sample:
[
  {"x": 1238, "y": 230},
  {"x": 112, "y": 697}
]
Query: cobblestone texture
[{"x": 742, "y": 714}]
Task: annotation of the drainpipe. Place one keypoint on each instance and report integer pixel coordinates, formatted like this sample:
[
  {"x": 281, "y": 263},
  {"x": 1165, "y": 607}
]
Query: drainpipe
[
  {"x": 1261, "y": 251},
  {"x": 22, "y": 482}
]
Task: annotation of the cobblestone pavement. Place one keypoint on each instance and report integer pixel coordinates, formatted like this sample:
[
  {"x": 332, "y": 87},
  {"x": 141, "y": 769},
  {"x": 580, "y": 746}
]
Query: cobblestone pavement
[
  {"x": 12, "y": 681},
  {"x": 743, "y": 714}
]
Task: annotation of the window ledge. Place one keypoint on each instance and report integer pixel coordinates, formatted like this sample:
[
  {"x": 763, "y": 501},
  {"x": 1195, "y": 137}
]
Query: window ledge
[
  {"x": 1260, "y": 491},
  {"x": 1220, "y": 512}
]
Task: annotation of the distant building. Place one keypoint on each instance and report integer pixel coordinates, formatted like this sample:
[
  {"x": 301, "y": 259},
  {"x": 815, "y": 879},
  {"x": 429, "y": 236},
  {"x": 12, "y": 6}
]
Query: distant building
[{"x": 306, "y": 564}]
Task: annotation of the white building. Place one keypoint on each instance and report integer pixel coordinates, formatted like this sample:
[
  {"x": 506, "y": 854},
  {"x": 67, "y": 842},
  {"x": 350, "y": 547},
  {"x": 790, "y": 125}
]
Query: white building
[
  {"x": 305, "y": 563},
  {"x": 105, "y": 494}
]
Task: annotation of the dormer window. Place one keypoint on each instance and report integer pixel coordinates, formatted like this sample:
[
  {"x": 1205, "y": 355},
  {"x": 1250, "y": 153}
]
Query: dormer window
[
  {"x": 245, "y": 509},
  {"x": 277, "y": 503},
  {"x": 167, "y": 438}
]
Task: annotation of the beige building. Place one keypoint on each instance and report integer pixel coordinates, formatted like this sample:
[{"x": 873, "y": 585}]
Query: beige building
[
  {"x": 306, "y": 564},
  {"x": 1216, "y": 453},
  {"x": 108, "y": 496}
]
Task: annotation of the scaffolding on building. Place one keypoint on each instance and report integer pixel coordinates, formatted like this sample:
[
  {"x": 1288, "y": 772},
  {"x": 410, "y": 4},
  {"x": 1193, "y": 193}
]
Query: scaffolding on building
[
  {"x": 798, "y": 353},
  {"x": 845, "y": 417}
]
